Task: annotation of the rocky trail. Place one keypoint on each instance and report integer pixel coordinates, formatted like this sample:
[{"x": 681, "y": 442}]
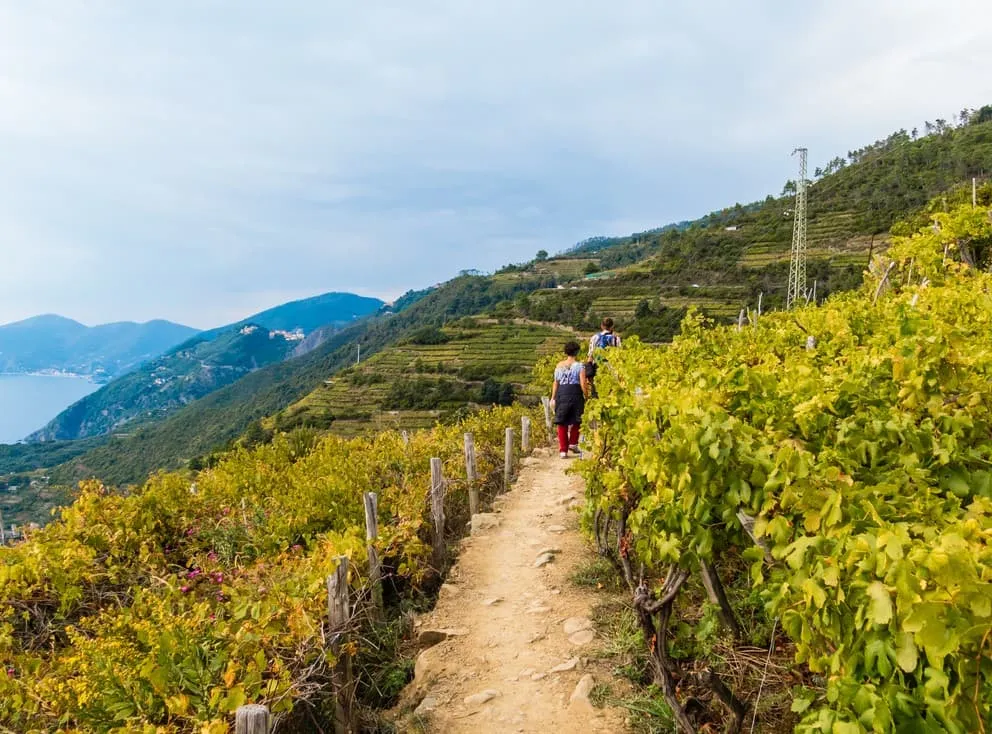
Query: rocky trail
[{"x": 510, "y": 646}]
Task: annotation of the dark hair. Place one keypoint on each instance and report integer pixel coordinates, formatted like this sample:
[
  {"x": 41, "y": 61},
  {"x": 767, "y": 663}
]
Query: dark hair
[
  {"x": 571, "y": 348},
  {"x": 608, "y": 323}
]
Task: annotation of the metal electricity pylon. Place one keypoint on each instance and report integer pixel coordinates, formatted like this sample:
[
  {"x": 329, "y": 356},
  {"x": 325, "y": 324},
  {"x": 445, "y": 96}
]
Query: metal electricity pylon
[{"x": 797, "y": 262}]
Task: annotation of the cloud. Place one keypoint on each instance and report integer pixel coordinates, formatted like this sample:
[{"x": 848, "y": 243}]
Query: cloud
[{"x": 201, "y": 160}]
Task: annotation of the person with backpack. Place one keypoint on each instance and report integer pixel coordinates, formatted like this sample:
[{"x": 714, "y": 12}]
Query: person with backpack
[
  {"x": 568, "y": 399},
  {"x": 606, "y": 338}
]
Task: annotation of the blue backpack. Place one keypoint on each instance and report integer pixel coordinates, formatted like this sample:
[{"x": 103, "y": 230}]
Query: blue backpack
[{"x": 605, "y": 339}]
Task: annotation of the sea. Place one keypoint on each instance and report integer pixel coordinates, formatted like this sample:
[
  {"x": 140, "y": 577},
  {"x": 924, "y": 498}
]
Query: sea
[{"x": 28, "y": 402}]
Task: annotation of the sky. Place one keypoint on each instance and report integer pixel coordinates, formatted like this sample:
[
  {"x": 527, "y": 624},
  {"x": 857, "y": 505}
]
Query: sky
[{"x": 200, "y": 160}]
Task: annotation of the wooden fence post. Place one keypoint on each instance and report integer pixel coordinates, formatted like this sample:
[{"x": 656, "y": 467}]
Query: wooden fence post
[
  {"x": 508, "y": 459},
  {"x": 525, "y": 434},
  {"x": 339, "y": 615},
  {"x": 3, "y": 538},
  {"x": 406, "y": 438},
  {"x": 437, "y": 510},
  {"x": 371, "y": 535},
  {"x": 470, "y": 475},
  {"x": 252, "y": 719},
  {"x": 546, "y": 402}
]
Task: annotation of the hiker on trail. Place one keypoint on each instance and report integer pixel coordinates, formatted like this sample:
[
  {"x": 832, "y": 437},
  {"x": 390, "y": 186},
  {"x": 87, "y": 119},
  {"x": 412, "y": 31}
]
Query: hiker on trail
[
  {"x": 605, "y": 338},
  {"x": 568, "y": 399},
  {"x": 598, "y": 342}
]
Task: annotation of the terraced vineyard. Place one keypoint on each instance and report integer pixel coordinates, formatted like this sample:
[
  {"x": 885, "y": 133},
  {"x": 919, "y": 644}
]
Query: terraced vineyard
[
  {"x": 476, "y": 350},
  {"x": 565, "y": 268},
  {"x": 832, "y": 237},
  {"x": 619, "y": 298}
]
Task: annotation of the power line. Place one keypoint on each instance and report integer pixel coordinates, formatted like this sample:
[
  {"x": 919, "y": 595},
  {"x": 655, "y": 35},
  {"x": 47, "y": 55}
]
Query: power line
[{"x": 797, "y": 261}]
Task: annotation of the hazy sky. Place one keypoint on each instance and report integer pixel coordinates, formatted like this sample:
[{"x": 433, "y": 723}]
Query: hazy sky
[{"x": 199, "y": 160}]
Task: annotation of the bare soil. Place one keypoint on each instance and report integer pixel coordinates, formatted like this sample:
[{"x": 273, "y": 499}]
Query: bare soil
[{"x": 517, "y": 649}]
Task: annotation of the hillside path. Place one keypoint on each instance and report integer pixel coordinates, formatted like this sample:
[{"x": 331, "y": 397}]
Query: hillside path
[{"x": 519, "y": 653}]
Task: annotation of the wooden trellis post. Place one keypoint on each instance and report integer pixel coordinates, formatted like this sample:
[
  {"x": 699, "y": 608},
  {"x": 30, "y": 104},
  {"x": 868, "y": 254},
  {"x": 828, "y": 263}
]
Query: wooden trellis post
[
  {"x": 437, "y": 510},
  {"x": 525, "y": 434},
  {"x": 371, "y": 535},
  {"x": 252, "y": 719},
  {"x": 471, "y": 475},
  {"x": 339, "y": 615},
  {"x": 508, "y": 459},
  {"x": 546, "y": 402}
]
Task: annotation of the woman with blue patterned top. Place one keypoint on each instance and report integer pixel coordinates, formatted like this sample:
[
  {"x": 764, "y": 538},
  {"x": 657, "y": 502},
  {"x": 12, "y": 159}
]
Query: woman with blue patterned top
[{"x": 568, "y": 399}]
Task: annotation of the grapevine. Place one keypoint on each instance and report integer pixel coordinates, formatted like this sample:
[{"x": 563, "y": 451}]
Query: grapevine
[
  {"x": 165, "y": 609},
  {"x": 851, "y": 474}
]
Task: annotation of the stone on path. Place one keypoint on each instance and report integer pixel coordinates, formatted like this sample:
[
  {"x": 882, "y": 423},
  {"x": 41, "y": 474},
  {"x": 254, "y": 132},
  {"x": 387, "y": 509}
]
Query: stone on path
[
  {"x": 427, "y": 638},
  {"x": 580, "y": 696},
  {"x": 492, "y": 602},
  {"x": 576, "y": 624},
  {"x": 583, "y": 637},
  {"x": 556, "y": 528},
  {"x": 477, "y": 699},
  {"x": 544, "y": 559},
  {"x": 566, "y": 666}
]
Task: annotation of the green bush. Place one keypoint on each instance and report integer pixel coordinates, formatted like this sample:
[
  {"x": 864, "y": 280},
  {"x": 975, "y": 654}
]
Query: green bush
[{"x": 429, "y": 335}]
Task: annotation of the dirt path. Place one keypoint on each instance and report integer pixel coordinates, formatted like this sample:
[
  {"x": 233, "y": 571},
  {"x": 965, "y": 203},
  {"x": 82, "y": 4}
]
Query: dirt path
[{"x": 516, "y": 635}]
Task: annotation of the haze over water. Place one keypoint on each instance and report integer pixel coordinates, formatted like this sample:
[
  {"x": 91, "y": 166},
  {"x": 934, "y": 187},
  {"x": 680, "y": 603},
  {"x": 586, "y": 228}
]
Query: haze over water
[{"x": 28, "y": 402}]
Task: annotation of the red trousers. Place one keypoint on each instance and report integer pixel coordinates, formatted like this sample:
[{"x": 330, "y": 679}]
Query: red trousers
[{"x": 568, "y": 435}]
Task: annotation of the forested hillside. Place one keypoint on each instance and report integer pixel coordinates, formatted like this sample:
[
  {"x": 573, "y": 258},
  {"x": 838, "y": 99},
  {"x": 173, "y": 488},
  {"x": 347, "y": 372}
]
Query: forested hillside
[
  {"x": 720, "y": 264},
  {"x": 725, "y": 260},
  {"x": 222, "y": 416},
  {"x": 159, "y": 387}
]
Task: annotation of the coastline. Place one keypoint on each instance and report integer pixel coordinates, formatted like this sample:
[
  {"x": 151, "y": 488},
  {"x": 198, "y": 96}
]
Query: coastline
[{"x": 53, "y": 373}]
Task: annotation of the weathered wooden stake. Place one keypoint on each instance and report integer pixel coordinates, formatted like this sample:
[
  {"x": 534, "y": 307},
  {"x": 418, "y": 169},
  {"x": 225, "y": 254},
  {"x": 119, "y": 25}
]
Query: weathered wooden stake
[
  {"x": 717, "y": 596},
  {"x": 525, "y": 434},
  {"x": 338, "y": 609},
  {"x": 470, "y": 475},
  {"x": 371, "y": 535},
  {"x": 406, "y": 438},
  {"x": 339, "y": 615},
  {"x": 546, "y": 402},
  {"x": 508, "y": 459},
  {"x": 252, "y": 718},
  {"x": 437, "y": 510},
  {"x": 3, "y": 538}
]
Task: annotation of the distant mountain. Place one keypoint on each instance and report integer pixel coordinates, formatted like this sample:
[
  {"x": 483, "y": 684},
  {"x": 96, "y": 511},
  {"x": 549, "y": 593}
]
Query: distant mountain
[
  {"x": 53, "y": 343},
  {"x": 309, "y": 314},
  {"x": 206, "y": 362},
  {"x": 166, "y": 383}
]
